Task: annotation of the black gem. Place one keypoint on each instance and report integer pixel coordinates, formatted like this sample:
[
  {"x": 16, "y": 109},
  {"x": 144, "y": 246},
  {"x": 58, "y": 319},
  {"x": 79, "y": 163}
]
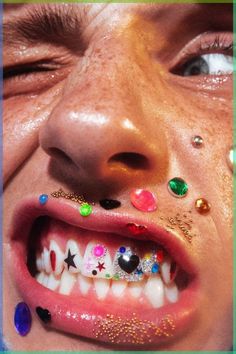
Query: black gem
[
  {"x": 109, "y": 203},
  {"x": 128, "y": 263},
  {"x": 94, "y": 272},
  {"x": 43, "y": 314}
]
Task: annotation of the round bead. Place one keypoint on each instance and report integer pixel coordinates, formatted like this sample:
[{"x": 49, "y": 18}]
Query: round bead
[
  {"x": 99, "y": 251},
  {"x": 122, "y": 249},
  {"x": 178, "y": 187},
  {"x": 43, "y": 198},
  {"x": 94, "y": 272},
  {"x": 143, "y": 200},
  {"x": 22, "y": 319},
  {"x": 85, "y": 209},
  {"x": 202, "y": 205},
  {"x": 197, "y": 141},
  {"x": 230, "y": 159},
  {"x": 155, "y": 268}
]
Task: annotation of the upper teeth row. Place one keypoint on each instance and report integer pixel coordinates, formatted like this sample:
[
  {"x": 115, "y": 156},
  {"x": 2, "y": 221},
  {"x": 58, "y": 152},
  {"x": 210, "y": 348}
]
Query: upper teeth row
[{"x": 97, "y": 262}]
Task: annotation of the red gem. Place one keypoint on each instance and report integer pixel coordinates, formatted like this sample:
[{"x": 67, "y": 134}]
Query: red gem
[
  {"x": 173, "y": 270},
  {"x": 53, "y": 260},
  {"x": 100, "y": 266},
  {"x": 160, "y": 256},
  {"x": 143, "y": 200},
  {"x": 136, "y": 229}
]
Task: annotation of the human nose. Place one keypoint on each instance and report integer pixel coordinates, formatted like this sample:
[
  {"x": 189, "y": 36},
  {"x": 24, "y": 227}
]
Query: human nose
[{"x": 101, "y": 136}]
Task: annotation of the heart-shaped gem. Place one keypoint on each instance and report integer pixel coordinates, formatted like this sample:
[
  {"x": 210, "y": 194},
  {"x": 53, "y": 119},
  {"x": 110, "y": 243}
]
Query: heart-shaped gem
[
  {"x": 136, "y": 229},
  {"x": 128, "y": 263},
  {"x": 43, "y": 314}
]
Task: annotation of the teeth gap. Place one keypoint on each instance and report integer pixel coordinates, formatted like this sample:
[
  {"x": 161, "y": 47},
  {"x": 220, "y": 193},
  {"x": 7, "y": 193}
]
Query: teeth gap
[{"x": 167, "y": 290}]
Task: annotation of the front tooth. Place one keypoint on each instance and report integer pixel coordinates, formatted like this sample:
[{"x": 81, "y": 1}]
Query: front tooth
[
  {"x": 46, "y": 260},
  {"x": 165, "y": 270},
  {"x": 171, "y": 292},
  {"x": 102, "y": 287},
  {"x": 118, "y": 287},
  {"x": 53, "y": 282},
  {"x": 154, "y": 291},
  {"x": 39, "y": 263},
  {"x": 97, "y": 261},
  {"x": 135, "y": 288},
  {"x": 84, "y": 283},
  {"x": 56, "y": 257},
  {"x": 67, "y": 282},
  {"x": 73, "y": 260}
]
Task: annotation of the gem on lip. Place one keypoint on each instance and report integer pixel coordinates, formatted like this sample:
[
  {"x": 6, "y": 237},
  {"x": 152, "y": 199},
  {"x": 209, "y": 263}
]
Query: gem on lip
[
  {"x": 178, "y": 187},
  {"x": 136, "y": 229},
  {"x": 43, "y": 198},
  {"x": 143, "y": 200},
  {"x": 85, "y": 209},
  {"x": 22, "y": 318}
]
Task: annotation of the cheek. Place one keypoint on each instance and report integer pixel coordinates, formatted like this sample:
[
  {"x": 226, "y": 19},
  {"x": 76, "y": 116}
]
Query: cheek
[{"x": 22, "y": 118}]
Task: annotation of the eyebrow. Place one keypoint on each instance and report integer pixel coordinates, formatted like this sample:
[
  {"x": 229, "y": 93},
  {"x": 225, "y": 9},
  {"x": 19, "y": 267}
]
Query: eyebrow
[{"x": 62, "y": 26}]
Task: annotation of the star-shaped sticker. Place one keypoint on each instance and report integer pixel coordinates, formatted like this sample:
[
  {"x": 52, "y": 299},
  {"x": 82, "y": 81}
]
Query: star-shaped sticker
[
  {"x": 70, "y": 260},
  {"x": 100, "y": 266}
]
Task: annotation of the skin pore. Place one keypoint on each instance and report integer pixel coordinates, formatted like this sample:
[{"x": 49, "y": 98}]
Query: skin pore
[{"x": 97, "y": 101}]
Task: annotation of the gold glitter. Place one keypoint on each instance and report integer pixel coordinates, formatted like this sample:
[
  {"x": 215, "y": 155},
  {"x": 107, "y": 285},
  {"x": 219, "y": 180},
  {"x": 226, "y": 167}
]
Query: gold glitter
[
  {"x": 133, "y": 330},
  {"x": 182, "y": 223},
  {"x": 72, "y": 196}
]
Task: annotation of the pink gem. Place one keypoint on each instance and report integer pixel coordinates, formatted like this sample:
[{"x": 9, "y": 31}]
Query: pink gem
[
  {"x": 143, "y": 200},
  {"x": 98, "y": 251}
]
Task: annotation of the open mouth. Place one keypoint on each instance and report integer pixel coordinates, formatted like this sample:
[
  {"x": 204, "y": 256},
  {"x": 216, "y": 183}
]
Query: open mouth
[{"x": 97, "y": 275}]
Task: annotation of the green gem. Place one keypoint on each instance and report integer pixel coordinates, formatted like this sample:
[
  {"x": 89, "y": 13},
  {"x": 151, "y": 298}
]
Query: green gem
[
  {"x": 178, "y": 187},
  {"x": 85, "y": 209},
  {"x": 107, "y": 276},
  {"x": 116, "y": 277}
]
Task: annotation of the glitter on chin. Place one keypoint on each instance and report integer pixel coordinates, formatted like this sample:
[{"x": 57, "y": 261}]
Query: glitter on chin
[{"x": 132, "y": 330}]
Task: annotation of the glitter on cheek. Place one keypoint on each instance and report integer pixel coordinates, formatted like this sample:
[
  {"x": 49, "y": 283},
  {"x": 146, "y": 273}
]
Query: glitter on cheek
[{"x": 133, "y": 330}]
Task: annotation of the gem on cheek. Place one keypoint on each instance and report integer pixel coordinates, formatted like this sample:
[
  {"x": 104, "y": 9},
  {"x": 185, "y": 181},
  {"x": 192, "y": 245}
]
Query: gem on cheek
[
  {"x": 53, "y": 260},
  {"x": 136, "y": 229},
  {"x": 178, "y": 187},
  {"x": 197, "y": 141},
  {"x": 22, "y": 319},
  {"x": 202, "y": 206},
  {"x": 230, "y": 158},
  {"x": 143, "y": 200},
  {"x": 85, "y": 209},
  {"x": 43, "y": 314},
  {"x": 109, "y": 204},
  {"x": 43, "y": 198}
]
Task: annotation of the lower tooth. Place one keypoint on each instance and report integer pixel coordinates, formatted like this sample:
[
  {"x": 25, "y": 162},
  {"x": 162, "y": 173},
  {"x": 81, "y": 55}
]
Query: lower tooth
[
  {"x": 67, "y": 282},
  {"x": 102, "y": 287},
  {"x": 135, "y": 288},
  {"x": 85, "y": 284},
  {"x": 53, "y": 283},
  {"x": 118, "y": 287},
  {"x": 171, "y": 292},
  {"x": 154, "y": 291},
  {"x": 45, "y": 280},
  {"x": 39, "y": 277}
]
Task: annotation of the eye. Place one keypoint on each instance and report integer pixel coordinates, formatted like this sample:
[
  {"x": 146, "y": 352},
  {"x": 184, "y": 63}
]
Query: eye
[{"x": 209, "y": 64}]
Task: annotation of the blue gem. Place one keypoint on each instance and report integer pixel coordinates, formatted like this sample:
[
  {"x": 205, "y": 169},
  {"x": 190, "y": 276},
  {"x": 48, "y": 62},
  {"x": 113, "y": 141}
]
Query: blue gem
[
  {"x": 139, "y": 271},
  {"x": 122, "y": 249},
  {"x": 43, "y": 198},
  {"x": 22, "y": 319},
  {"x": 155, "y": 268}
]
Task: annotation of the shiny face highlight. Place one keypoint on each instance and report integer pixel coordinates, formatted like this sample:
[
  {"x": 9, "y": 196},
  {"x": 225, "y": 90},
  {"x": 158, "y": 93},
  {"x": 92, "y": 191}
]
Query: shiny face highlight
[{"x": 101, "y": 101}]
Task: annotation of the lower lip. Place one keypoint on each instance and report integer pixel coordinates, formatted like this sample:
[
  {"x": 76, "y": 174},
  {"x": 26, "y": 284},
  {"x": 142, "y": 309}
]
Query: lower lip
[{"x": 147, "y": 326}]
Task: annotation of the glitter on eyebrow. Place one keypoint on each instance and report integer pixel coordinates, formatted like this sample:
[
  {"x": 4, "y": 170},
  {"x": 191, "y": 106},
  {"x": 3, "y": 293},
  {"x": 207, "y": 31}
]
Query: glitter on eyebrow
[{"x": 133, "y": 330}]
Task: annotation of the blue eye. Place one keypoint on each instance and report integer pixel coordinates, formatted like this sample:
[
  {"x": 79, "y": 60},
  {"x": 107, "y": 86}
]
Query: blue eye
[{"x": 209, "y": 64}]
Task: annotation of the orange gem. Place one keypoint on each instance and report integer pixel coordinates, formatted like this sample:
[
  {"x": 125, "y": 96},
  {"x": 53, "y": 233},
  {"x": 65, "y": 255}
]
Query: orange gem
[{"x": 202, "y": 206}]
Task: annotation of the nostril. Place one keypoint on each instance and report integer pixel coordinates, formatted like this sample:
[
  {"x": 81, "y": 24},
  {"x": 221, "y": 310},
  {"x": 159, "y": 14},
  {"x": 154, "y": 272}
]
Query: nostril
[
  {"x": 131, "y": 160},
  {"x": 59, "y": 154}
]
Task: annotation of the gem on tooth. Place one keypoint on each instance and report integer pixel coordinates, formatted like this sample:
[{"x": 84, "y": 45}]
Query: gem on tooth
[
  {"x": 128, "y": 263},
  {"x": 178, "y": 187},
  {"x": 85, "y": 209},
  {"x": 155, "y": 268},
  {"x": 122, "y": 249},
  {"x": 202, "y": 206},
  {"x": 109, "y": 204},
  {"x": 136, "y": 229},
  {"x": 94, "y": 272},
  {"x": 160, "y": 256},
  {"x": 22, "y": 319},
  {"x": 100, "y": 266},
  {"x": 99, "y": 251},
  {"x": 143, "y": 200},
  {"x": 43, "y": 314},
  {"x": 43, "y": 198},
  {"x": 53, "y": 260}
]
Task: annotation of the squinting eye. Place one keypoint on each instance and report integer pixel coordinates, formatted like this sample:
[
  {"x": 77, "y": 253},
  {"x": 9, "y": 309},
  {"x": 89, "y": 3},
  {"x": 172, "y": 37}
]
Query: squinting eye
[{"x": 209, "y": 64}]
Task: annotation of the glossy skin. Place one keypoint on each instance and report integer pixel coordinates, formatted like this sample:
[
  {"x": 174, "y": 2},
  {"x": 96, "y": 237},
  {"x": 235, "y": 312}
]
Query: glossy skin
[{"x": 115, "y": 94}]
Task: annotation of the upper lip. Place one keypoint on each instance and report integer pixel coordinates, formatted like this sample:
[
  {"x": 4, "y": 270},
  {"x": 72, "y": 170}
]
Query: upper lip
[
  {"x": 106, "y": 221},
  {"x": 80, "y": 318}
]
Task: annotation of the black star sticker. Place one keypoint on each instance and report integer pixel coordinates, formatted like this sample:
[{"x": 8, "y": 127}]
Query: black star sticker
[{"x": 70, "y": 260}]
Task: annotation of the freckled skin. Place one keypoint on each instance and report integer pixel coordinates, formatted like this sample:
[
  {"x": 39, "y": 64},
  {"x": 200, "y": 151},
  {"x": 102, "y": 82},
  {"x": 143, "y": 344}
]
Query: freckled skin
[{"x": 122, "y": 85}]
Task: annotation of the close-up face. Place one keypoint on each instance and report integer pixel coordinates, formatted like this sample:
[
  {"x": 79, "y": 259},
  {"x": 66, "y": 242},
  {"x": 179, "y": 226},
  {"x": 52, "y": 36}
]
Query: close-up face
[{"x": 117, "y": 139}]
